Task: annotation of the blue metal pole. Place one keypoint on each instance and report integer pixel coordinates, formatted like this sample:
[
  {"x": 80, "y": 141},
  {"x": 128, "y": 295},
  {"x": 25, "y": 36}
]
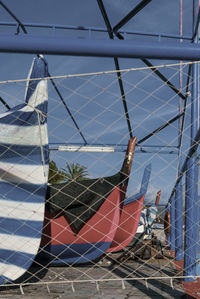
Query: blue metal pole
[
  {"x": 178, "y": 223},
  {"x": 172, "y": 223},
  {"x": 191, "y": 221},
  {"x": 167, "y": 224},
  {"x": 196, "y": 87},
  {"x": 198, "y": 222},
  {"x": 197, "y": 201},
  {"x": 56, "y": 45},
  {"x": 190, "y": 248}
]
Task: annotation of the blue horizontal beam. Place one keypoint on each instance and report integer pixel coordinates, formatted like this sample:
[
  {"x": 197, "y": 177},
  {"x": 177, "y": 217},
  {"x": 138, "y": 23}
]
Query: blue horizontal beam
[
  {"x": 55, "y": 45},
  {"x": 96, "y": 29}
]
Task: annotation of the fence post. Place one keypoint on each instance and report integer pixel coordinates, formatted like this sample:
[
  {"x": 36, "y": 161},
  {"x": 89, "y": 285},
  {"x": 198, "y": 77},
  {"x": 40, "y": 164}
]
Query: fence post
[
  {"x": 198, "y": 221},
  {"x": 179, "y": 222},
  {"x": 191, "y": 213},
  {"x": 172, "y": 224},
  {"x": 190, "y": 247}
]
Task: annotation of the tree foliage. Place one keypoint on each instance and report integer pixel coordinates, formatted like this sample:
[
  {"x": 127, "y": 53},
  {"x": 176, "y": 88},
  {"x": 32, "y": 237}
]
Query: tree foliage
[
  {"x": 55, "y": 175},
  {"x": 71, "y": 172},
  {"x": 75, "y": 172}
]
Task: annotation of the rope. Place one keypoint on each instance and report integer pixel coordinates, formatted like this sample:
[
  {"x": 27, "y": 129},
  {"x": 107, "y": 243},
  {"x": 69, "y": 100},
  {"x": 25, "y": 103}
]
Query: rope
[
  {"x": 72, "y": 282},
  {"x": 101, "y": 73}
]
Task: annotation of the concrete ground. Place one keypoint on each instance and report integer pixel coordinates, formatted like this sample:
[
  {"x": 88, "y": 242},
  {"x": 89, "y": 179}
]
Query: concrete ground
[
  {"x": 116, "y": 283},
  {"x": 117, "y": 275}
]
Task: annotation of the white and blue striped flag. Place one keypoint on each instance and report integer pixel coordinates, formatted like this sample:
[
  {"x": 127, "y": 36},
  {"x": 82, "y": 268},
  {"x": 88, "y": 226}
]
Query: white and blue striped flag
[{"x": 23, "y": 176}]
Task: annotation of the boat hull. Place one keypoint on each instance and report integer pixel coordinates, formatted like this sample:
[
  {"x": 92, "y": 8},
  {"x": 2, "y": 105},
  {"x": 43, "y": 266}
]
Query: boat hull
[
  {"x": 61, "y": 246},
  {"x": 128, "y": 224}
]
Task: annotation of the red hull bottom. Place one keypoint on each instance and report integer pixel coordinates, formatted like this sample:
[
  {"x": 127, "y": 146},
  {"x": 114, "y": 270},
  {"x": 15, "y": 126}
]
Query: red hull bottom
[
  {"x": 128, "y": 224},
  {"x": 101, "y": 228}
]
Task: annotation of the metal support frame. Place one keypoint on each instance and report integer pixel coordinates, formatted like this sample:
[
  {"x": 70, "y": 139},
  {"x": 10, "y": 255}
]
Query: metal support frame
[
  {"x": 171, "y": 150},
  {"x": 143, "y": 50},
  {"x": 90, "y": 30},
  {"x": 4, "y": 103},
  {"x": 121, "y": 86},
  {"x": 14, "y": 17},
  {"x": 191, "y": 220},
  {"x": 196, "y": 27},
  {"x": 164, "y": 79},
  {"x": 115, "y": 29},
  {"x": 33, "y": 44},
  {"x": 190, "y": 247},
  {"x": 21, "y": 25},
  {"x": 178, "y": 222},
  {"x": 131, "y": 14},
  {"x": 110, "y": 31},
  {"x": 167, "y": 123},
  {"x": 137, "y": 9},
  {"x": 145, "y": 61},
  {"x": 172, "y": 224}
]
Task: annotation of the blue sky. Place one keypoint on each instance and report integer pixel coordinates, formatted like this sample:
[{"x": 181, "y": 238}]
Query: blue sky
[{"x": 96, "y": 104}]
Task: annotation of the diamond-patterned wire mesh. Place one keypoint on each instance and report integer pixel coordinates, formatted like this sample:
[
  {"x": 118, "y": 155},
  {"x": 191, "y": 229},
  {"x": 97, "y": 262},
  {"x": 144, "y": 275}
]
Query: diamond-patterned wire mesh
[{"x": 135, "y": 230}]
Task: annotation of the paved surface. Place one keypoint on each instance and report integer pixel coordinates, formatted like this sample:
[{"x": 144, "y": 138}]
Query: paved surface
[
  {"x": 115, "y": 276},
  {"x": 119, "y": 289}
]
